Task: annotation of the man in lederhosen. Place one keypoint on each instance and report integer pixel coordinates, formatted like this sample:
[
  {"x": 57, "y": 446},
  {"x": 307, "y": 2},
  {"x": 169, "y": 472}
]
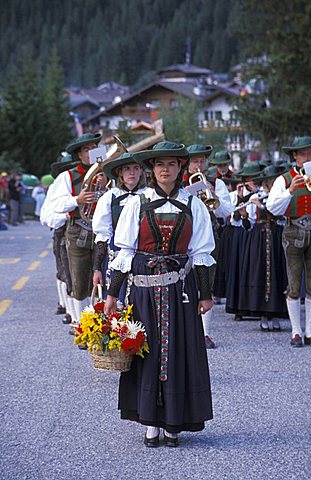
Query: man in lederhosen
[
  {"x": 70, "y": 197},
  {"x": 198, "y": 158},
  {"x": 289, "y": 196}
]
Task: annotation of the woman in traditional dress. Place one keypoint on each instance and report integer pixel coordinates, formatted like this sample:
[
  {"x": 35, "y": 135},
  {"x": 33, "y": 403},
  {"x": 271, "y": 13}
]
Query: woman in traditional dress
[
  {"x": 130, "y": 180},
  {"x": 166, "y": 237}
]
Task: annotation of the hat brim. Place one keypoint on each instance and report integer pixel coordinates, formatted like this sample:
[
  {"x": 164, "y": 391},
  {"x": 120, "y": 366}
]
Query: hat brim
[
  {"x": 289, "y": 150},
  {"x": 73, "y": 148},
  {"x": 206, "y": 153},
  {"x": 213, "y": 161},
  {"x": 59, "y": 167},
  {"x": 145, "y": 157},
  {"x": 110, "y": 167}
]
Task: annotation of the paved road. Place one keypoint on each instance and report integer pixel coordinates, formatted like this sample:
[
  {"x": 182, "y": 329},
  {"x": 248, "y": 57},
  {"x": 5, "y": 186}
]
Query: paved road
[{"x": 58, "y": 416}]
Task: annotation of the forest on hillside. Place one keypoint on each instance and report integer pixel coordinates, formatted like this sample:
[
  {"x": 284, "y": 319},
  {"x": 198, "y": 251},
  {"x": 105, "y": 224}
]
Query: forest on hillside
[{"x": 116, "y": 40}]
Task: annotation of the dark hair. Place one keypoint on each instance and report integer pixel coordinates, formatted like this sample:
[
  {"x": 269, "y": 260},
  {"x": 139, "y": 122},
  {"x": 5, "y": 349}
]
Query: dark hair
[{"x": 178, "y": 182}]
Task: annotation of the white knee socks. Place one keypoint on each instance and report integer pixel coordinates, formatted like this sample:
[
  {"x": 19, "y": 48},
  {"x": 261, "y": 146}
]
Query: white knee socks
[
  {"x": 293, "y": 307},
  {"x": 61, "y": 299},
  {"x": 152, "y": 432},
  {"x": 308, "y": 317},
  {"x": 206, "y": 319}
]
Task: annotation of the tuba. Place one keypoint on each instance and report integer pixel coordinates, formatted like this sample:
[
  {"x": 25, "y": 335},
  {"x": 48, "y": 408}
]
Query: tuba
[
  {"x": 93, "y": 180},
  {"x": 206, "y": 193},
  {"x": 306, "y": 178}
]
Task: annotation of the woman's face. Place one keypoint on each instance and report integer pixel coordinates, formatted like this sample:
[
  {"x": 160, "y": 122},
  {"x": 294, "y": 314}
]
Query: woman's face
[
  {"x": 130, "y": 174},
  {"x": 166, "y": 170}
]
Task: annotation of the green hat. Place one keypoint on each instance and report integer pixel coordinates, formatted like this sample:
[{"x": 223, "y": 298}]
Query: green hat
[
  {"x": 265, "y": 163},
  {"x": 163, "y": 149},
  {"x": 198, "y": 149},
  {"x": 250, "y": 169},
  {"x": 64, "y": 162},
  {"x": 298, "y": 144},
  {"x": 83, "y": 140},
  {"x": 273, "y": 171},
  {"x": 221, "y": 158},
  {"x": 110, "y": 166}
]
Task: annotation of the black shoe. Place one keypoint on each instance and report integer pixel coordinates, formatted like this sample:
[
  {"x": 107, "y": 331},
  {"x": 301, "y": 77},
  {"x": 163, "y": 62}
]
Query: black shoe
[
  {"x": 276, "y": 327},
  {"x": 152, "y": 442},
  {"x": 307, "y": 340},
  {"x": 67, "y": 319},
  {"x": 60, "y": 310},
  {"x": 82, "y": 346},
  {"x": 296, "y": 341},
  {"x": 209, "y": 342},
  {"x": 170, "y": 442},
  {"x": 238, "y": 318},
  {"x": 264, "y": 325}
]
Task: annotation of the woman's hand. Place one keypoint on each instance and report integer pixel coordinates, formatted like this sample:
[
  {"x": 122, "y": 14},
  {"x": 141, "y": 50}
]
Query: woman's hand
[
  {"x": 110, "y": 305},
  {"x": 97, "y": 278},
  {"x": 204, "y": 306}
]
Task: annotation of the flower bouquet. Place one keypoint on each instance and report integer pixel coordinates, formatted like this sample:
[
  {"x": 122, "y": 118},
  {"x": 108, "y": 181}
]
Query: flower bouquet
[{"x": 112, "y": 340}]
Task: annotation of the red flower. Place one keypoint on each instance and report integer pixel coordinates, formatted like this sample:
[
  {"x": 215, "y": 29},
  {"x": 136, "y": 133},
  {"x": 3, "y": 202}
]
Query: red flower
[
  {"x": 121, "y": 330},
  {"x": 79, "y": 330},
  {"x": 132, "y": 345},
  {"x": 99, "y": 307},
  {"x": 106, "y": 327},
  {"x": 115, "y": 315}
]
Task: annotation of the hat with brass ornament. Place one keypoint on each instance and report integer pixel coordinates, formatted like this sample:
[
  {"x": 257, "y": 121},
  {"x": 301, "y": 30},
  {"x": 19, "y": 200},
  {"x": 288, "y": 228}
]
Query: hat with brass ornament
[{"x": 163, "y": 149}]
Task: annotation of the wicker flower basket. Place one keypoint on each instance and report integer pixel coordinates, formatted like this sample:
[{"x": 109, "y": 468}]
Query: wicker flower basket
[{"x": 112, "y": 360}]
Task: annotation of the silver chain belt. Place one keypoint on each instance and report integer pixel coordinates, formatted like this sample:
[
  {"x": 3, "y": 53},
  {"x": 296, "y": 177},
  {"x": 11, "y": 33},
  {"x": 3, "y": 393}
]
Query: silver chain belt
[{"x": 162, "y": 279}]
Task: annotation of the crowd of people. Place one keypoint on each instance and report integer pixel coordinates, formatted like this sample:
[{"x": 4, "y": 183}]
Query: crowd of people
[{"x": 173, "y": 231}]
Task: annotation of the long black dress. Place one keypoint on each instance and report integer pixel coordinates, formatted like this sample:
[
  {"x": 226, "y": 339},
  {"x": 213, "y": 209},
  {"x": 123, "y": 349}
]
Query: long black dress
[{"x": 170, "y": 387}]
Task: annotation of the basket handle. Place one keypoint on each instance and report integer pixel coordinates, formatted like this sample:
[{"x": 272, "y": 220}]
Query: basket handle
[{"x": 99, "y": 289}]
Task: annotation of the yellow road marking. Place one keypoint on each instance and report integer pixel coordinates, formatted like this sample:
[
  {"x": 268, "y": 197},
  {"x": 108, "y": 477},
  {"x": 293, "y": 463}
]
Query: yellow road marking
[
  {"x": 4, "y": 304},
  {"x": 20, "y": 283},
  {"x": 33, "y": 238},
  {"x": 34, "y": 265},
  {"x": 7, "y": 261},
  {"x": 43, "y": 254},
  {"x": 50, "y": 245}
]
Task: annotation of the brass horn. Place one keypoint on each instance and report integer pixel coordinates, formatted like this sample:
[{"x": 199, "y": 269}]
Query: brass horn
[
  {"x": 93, "y": 180},
  {"x": 306, "y": 178},
  {"x": 207, "y": 195}
]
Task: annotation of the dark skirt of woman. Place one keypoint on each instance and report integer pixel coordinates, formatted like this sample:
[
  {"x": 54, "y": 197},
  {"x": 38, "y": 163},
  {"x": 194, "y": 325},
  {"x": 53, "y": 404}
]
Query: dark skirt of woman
[
  {"x": 223, "y": 262},
  {"x": 183, "y": 401},
  {"x": 235, "y": 266},
  {"x": 263, "y": 278}
]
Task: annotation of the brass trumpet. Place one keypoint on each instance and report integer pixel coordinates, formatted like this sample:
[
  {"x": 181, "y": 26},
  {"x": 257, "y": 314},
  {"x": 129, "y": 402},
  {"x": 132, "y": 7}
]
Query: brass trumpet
[
  {"x": 206, "y": 193},
  {"x": 93, "y": 180},
  {"x": 306, "y": 178}
]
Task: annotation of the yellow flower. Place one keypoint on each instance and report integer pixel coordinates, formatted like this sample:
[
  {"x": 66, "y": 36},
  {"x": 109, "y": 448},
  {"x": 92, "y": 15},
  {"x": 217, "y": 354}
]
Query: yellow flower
[{"x": 128, "y": 313}]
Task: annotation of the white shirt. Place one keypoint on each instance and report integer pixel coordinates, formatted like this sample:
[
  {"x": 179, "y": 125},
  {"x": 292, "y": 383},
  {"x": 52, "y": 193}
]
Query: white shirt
[
  {"x": 48, "y": 216},
  {"x": 62, "y": 199},
  {"x": 251, "y": 210},
  {"x": 279, "y": 197},
  {"x": 126, "y": 235},
  {"x": 226, "y": 207},
  {"x": 102, "y": 219}
]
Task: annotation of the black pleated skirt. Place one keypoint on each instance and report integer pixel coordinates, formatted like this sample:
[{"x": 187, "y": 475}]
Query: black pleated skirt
[{"x": 182, "y": 402}]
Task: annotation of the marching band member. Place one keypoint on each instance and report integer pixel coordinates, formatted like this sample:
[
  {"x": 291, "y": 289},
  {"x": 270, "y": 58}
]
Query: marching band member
[
  {"x": 222, "y": 160},
  {"x": 263, "y": 278},
  {"x": 198, "y": 155},
  {"x": 130, "y": 180},
  {"x": 69, "y": 197},
  {"x": 57, "y": 223},
  {"x": 289, "y": 196},
  {"x": 165, "y": 235},
  {"x": 242, "y": 220}
]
